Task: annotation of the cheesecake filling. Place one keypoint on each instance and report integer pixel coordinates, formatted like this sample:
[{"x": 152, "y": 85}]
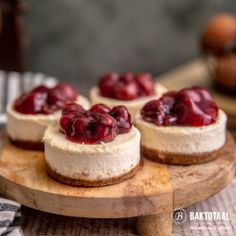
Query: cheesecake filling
[
  {"x": 183, "y": 139},
  {"x": 92, "y": 162}
]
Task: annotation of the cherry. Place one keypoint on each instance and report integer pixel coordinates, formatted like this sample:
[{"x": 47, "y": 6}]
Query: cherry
[
  {"x": 105, "y": 128},
  {"x": 168, "y": 100},
  {"x": 207, "y": 103},
  {"x": 201, "y": 107},
  {"x": 128, "y": 91},
  {"x": 100, "y": 108},
  {"x": 122, "y": 116},
  {"x": 154, "y": 111},
  {"x": 146, "y": 83},
  {"x": 72, "y": 108},
  {"x": 189, "y": 113},
  {"x": 67, "y": 91},
  {"x": 61, "y": 93},
  {"x": 99, "y": 124},
  {"x": 81, "y": 125},
  {"x": 127, "y": 86},
  {"x": 107, "y": 83},
  {"x": 30, "y": 103},
  {"x": 127, "y": 77},
  {"x": 44, "y": 100},
  {"x": 190, "y": 94},
  {"x": 65, "y": 122},
  {"x": 191, "y": 106}
]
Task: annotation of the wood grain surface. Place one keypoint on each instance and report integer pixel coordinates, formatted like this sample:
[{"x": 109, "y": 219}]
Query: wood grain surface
[
  {"x": 155, "y": 189},
  {"x": 24, "y": 179},
  {"x": 196, "y": 183}
]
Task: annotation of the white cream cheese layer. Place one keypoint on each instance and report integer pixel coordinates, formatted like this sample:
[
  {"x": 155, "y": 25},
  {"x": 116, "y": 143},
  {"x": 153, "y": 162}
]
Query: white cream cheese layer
[
  {"x": 31, "y": 127},
  {"x": 133, "y": 106},
  {"x": 92, "y": 162},
  {"x": 182, "y": 139}
]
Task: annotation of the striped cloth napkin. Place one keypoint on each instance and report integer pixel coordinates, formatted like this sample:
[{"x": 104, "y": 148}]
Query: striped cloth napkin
[
  {"x": 10, "y": 218},
  {"x": 13, "y": 84}
]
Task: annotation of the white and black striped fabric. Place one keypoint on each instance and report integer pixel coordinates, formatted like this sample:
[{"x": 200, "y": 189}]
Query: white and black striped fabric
[
  {"x": 10, "y": 218},
  {"x": 12, "y": 84}
]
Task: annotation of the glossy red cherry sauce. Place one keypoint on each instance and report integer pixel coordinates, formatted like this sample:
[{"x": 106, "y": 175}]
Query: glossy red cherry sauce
[
  {"x": 190, "y": 107},
  {"x": 44, "y": 100},
  {"x": 96, "y": 125},
  {"x": 127, "y": 86}
]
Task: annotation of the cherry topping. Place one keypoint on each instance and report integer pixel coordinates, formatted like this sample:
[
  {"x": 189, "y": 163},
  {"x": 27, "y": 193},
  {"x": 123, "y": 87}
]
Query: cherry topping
[
  {"x": 104, "y": 127},
  {"x": 127, "y": 86},
  {"x": 145, "y": 81},
  {"x": 44, "y": 100},
  {"x": 126, "y": 90},
  {"x": 101, "y": 108},
  {"x": 62, "y": 92},
  {"x": 191, "y": 106},
  {"x": 122, "y": 116},
  {"x": 99, "y": 124},
  {"x": 31, "y": 103},
  {"x": 107, "y": 83},
  {"x": 72, "y": 108},
  {"x": 66, "y": 122}
]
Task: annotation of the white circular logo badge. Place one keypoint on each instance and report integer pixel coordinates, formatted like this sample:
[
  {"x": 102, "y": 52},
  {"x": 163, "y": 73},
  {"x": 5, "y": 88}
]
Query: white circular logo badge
[{"x": 179, "y": 216}]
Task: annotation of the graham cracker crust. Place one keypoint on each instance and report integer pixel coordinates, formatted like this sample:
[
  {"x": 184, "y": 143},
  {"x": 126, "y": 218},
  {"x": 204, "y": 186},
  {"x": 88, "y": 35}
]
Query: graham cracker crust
[
  {"x": 28, "y": 145},
  {"x": 179, "y": 159},
  {"x": 96, "y": 183}
]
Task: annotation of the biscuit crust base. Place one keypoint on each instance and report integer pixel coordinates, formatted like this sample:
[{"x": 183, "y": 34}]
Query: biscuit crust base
[
  {"x": 92, "y": 183},
  {"x": 179, "y": 159},
  {"x": 28, "y": 145}
]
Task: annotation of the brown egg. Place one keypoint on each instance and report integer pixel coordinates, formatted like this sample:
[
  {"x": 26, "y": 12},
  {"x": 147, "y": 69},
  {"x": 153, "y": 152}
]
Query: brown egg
[
  {"x": 219, "y": 35},
  {"x": 225, "y": 73}
]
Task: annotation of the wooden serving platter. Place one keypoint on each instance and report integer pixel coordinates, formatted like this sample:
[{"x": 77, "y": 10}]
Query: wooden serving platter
[{"x": 151, "y": 194}]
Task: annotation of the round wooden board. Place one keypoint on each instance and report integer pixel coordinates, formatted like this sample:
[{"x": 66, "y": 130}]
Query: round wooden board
[{"x": 155, "y": 189}]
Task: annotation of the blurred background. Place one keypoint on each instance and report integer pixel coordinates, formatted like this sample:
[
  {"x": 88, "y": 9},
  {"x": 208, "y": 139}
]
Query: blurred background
[{"x": 78, "y": 40}]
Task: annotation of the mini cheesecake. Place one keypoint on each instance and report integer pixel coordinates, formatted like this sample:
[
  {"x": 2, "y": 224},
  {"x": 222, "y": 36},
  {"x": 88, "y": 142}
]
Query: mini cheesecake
[
  {"x": 182, "y": 128},
  {"x": 130, "y": 90},
  {"x": 30, "y": 114},
  {"x": 95, "y": 147}
]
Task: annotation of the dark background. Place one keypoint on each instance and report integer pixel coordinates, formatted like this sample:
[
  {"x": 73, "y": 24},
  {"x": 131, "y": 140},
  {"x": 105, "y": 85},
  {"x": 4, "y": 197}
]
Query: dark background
[{"x": 78, "y": 40}]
